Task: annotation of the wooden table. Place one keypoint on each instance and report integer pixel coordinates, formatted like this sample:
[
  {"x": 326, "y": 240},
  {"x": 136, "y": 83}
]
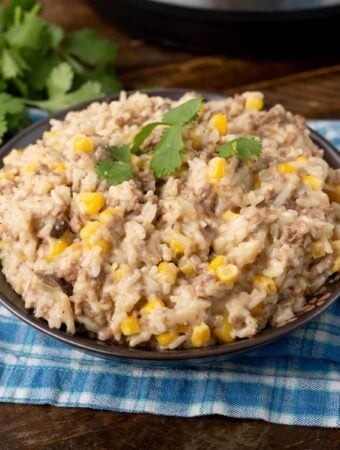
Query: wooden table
[{"x": 310, "y": 86}]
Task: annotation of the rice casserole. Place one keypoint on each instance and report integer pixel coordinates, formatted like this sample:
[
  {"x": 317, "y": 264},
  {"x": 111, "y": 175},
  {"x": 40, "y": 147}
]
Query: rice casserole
[{"x": 213, "y": 253}]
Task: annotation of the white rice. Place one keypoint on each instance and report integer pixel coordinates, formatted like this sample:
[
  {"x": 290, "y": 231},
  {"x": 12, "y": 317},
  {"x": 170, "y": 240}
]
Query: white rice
[{"x": 285, "y": 232}]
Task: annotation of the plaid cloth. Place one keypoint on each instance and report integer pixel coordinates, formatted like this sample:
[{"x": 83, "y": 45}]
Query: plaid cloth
[{"x": 295, "y": 380}]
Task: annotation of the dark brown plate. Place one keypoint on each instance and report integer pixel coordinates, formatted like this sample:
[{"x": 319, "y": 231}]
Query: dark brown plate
[{"x": 316, "y": 304}]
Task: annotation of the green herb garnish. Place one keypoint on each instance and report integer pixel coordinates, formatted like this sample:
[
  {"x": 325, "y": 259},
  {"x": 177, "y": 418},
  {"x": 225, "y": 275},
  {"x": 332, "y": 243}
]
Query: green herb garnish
[
  {"x": 13, "y": 116},
  {"x": 42, "y": 67},
  {"x": 166, "y": 158},
  {"x": 243, "y": 147},
  {"x": 117, "y": 168},
  {"x": 59, "y": 87},
  {"x": 143, "y": 134},
  {"x": 183, "y": 113}
]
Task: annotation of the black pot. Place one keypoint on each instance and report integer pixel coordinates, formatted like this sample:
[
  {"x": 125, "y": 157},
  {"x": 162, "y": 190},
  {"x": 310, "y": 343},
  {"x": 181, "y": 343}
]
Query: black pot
[{"x": 229, "y": 26}]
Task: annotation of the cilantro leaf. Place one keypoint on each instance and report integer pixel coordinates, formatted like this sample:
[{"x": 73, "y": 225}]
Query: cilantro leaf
[
  {"x": 40, "y": 68},
  {"x": 228, "y": 149},
  {"x": 45, "y": 68},
  {"x": 183, "y": 113},
  {"x": 2, "y": 42},
  {"x": 88, "y": 91},
  {"x": 166, "y": 158},
  {"x": 3, "y": 127},
  {"x": 12, "y": 115},
  {"x": 121, "y": 153},
  {"x": 20, "y": 86},
  {"x": 107, "y": 79},
  {"x": 29, "y": 34},
  {"x": 3, "y": 85},
  {"x": 9, "y": 12},
  {"x": 10, "y": 105},
  {"x": 15, "y": 122},
  {"x": 9, "y": 66},
  {"x": 143, "y": 134},
  {"x": 59, "y": 80},
  {"x": 114, "y": 172},
  {"x": 90, "y": 47},
  {"x": 116, "y": 169},
  {"x": 56, "y": 34},
  {"x": 243, "y": 147}
]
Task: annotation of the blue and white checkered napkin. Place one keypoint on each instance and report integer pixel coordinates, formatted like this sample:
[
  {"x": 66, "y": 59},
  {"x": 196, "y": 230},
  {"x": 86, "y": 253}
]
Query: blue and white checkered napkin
[{"x": 295, "y": 380}]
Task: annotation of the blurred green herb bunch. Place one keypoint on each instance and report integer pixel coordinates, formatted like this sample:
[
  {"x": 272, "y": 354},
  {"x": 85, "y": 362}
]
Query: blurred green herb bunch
[{"x": 42, "y": 67}]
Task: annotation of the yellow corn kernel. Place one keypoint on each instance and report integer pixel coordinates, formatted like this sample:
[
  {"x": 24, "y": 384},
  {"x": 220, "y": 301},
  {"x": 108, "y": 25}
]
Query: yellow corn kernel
[
  {"x": 182, "y": 329},
  {"x": 59, "y": 167},
  {"x": 122, "y": 272},
  {"x": 286, "y": 168},
  {"x": 228, "y": 216},
  {"x": 202, "y": 108},
  {"x": 333, "y": 192},
  {"x": 217, "y": 262},
  {"x": 257, "y": 310},
  {"x": 91, "y": 243},
  {"x": 217, "y": 168},
  {"x": 189, "y": 270},
  {"x": 302, "y": 159},
  {"x": 336, "y": 265},
  {"x": 176, "y": 246},
  {"x": 223, "y": 332},
  {"x": 83, "y": 144},
  {"x": 22, "y": 257},
  {"x": 186, "y": 267},
  {"x": 31, "y": 168},
  {"x": 254, "y": 102},
  {"x": 7, "y": 176},
  {"x": 266, "y": 282},
  {"x": 104, "y": 245},
  {"x": 313, "y": 181},
  {"x": 152, "y": 304},
  {"x": 56, "y": 248},
  {"x": 227, "y": 273},
  {"x": 179, "y": 243},
  {"x": 318, "y": 249},
  {"x": 130, "y": 326},
  {"x": 105, "y": 216},
  {"x": 92, "y": 202},
  {"x": 200, "y": 335},
  {"x": 336, "y": 247},
  {"x": 220, "y": 122},
  {"x": 89, "y": 230},
  {"x": 168, "y": 272},
  {"x": 166, "y": 338},
  {"x": 87, "y": 233}
]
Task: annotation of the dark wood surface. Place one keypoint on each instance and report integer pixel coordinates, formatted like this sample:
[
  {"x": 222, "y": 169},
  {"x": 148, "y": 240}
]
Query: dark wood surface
[
  {"x": 46, "y": 427},
  {"x": 310, "y": 86}
]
